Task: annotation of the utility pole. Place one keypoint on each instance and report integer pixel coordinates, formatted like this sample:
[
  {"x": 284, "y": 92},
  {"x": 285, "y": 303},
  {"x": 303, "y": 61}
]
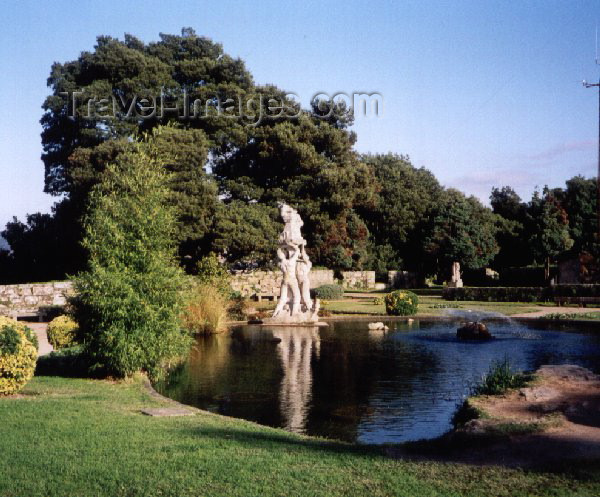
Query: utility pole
[{"x": 591, "y": 85}]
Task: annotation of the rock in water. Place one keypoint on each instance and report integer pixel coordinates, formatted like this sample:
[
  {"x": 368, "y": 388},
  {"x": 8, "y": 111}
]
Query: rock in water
[{"x": 474, "y": 331}]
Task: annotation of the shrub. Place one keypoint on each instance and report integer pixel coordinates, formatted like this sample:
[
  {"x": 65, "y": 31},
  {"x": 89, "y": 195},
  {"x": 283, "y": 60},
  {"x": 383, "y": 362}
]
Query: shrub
[
  {"x": 401, "y": 303},
  {"x": 129, "y": 300},
  {"x": 31, "y": 336},
  {"x": 520, "y": 294},
  {"x": 205, "y": 310},
  {"x": 499, "y": 379},
  {"x": 62, "y": 332},
  {"x": 329, "y": 292},
  {"x": 18, "y": 355},
  {"x": 378, "y": 301}
]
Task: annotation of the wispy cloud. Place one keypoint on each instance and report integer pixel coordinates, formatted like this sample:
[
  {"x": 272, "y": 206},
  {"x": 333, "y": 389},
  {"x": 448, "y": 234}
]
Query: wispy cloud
[{"x": 561, "y": 149}]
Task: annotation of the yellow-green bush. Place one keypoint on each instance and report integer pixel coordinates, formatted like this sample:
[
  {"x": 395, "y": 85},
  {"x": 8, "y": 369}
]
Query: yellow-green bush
[
  {"x": 62, "y": 332},
  {"x": 31, "y": 336},
  {"x": 18, "y": 354},
  {"x": 401, "y": 303}
]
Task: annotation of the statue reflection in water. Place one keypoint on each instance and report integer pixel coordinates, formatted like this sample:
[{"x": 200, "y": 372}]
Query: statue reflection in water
[{"x": 295, "y": 349}]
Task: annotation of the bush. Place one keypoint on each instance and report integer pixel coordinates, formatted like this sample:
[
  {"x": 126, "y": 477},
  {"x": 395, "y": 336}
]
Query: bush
[
  {"x": 18, "y": 355},
  {"x": 329, "y": 292},
  {"x": 129, "y": 300},
  {"x": 62, "y": 332},
  {"x": 205, "y": 310},
  {"x": 520, "y": 294},
  {"x": 499, "y": 379},
  {"x": 401, "y": 303},
  {"x": 31, "y": 336}
]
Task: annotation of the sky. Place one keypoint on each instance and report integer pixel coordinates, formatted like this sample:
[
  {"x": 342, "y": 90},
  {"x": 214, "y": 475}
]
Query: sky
[{"x": 482, "y": 93}]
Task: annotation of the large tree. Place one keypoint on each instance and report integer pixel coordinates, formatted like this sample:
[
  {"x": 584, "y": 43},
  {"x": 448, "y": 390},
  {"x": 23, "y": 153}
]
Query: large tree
[
  {"x": 460, "y": 229},
  {"x": 405, "y": 197}
]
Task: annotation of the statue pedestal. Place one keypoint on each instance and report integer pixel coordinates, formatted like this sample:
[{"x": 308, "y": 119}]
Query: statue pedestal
[{"x": 455, "y": 284}]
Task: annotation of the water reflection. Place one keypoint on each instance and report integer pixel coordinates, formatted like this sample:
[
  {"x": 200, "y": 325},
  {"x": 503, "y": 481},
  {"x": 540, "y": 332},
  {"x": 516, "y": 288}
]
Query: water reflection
[
  {"x": 295, "y": 349},
  {"x": 351, "y": 383}
]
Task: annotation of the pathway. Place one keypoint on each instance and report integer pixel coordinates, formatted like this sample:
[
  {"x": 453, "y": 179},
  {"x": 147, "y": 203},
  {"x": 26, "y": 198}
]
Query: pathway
[{"x": 40, "y": 331}]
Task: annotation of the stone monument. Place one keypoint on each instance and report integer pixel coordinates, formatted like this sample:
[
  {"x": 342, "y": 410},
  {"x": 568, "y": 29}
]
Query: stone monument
[
  {"x": 455, "y": 280},
  {"x": 295, "y": 305}
]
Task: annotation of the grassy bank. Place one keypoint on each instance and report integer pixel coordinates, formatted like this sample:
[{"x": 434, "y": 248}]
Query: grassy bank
[
  {"x": 74, "y": 437},
  {"x": 428, "y": 306}
]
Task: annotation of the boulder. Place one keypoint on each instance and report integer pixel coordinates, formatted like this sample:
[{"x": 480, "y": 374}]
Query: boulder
[{"x": 474, "y": 331}]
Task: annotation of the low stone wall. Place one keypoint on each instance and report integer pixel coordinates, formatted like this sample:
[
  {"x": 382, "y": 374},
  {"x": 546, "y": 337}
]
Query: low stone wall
[
  {"x": 358, "y": 280},
  {"x": 26, "y": 299},
  {"x": 268, "y": 283}
]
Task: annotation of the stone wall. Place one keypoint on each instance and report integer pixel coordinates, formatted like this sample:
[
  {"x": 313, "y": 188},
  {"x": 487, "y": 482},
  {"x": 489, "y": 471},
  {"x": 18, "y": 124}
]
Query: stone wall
[
  {"x": 358, "y": 280},
  {"x": 26, "y": 299},
  {"x": 268, "y": 283}
]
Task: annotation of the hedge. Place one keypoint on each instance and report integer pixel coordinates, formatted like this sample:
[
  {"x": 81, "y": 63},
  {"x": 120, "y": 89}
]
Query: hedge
[
  {"x": 520, "y": 294},
  {"x": 329, "y": 292}
]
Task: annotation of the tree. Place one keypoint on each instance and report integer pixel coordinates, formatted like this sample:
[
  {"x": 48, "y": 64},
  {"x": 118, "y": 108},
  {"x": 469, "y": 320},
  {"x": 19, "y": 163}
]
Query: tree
[
  {"x": 579, "y": 202},
  {"x": 246, "y": 233},
  {"x": 309, "y": 164},
  {"x": 404, "y": 199},
  {"x": 129, "y": 298},
  {"x": 550, "y": 234},
  {"x": 462, "y": 230},
  {"x": 514, "y": 247}
]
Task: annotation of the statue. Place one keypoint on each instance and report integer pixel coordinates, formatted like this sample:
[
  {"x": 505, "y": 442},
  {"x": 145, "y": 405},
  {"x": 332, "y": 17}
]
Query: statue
[
  {"x": 295, "y": 305},
  {"x": 455, "y": 280}
]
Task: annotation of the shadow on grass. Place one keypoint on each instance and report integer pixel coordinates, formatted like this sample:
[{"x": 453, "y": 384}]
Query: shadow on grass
[{"x": 271, "y": 439}]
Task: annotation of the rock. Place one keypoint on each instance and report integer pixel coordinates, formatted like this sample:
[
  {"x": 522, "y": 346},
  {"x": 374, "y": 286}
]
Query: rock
[
  {"x": 473, "y": 331},
  {"x": 536, "y": 394},
  {"x": 378, "y": 326}
]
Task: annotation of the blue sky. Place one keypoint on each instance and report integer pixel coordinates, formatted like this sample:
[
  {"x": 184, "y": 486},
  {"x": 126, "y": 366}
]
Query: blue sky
[{"x": 483, "y": 93}]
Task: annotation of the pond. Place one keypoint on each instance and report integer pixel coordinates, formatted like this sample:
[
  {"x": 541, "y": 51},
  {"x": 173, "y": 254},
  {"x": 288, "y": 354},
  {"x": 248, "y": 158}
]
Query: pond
[{"x": 349, "y": 383}]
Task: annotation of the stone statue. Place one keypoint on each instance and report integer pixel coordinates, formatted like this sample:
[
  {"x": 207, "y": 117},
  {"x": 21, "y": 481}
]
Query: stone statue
[
  {"x": 295, "y": 305},
  {"x": 455, "y": 280}
]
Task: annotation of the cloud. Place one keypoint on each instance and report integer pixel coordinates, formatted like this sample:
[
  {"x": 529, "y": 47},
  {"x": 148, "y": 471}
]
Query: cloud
[{"x": 561, "y": 149}]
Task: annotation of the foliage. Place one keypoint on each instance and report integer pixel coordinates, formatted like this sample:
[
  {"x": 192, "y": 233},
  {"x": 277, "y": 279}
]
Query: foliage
[
  {"x": 18, "y": 355},
  {"x": 129, "y": 299},
  {"x": 500, "y": 378},
  {"x": 246, "y": 233},
  {"x": 405, "y": 197},
  {"x": 211, "y": 272},
  {"x": 572, "y": 315},
  {"x": 551, "y": 234},
  {"x": 29, "y": 333},
  {"x": 401, "y": 303},
  {"x": 62, "y": 332},
  {"x": 520, "y": 294},
  {"x": 70, "y": 362},
  {"x": 329, "y": 292},
  {"x": 206, "y": 309},
  {"x": 460, "y": 229}
]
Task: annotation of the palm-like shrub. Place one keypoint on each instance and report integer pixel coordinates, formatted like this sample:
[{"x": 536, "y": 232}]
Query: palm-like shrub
[
  {"x": 130, "y": 298},
  {"x": 401, "y": 303},
  {"x": 18, "y": 354},
  {"x": 62, "y": 332}
]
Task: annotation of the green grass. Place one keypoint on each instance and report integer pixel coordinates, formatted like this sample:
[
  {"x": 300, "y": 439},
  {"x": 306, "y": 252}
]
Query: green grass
[
  {"x": 588, "y": 316},
  {"x": 500, "y": 378},
  {"x": 77, "y": 437}
]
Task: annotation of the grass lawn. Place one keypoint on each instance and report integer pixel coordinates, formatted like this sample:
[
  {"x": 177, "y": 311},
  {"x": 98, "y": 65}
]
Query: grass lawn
[
  {"x": 76, "y": 437},
  {"x": 429, "y": 306}
]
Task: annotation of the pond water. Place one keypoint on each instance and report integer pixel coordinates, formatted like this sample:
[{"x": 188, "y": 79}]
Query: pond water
[{"x": 347, "y": 382}]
